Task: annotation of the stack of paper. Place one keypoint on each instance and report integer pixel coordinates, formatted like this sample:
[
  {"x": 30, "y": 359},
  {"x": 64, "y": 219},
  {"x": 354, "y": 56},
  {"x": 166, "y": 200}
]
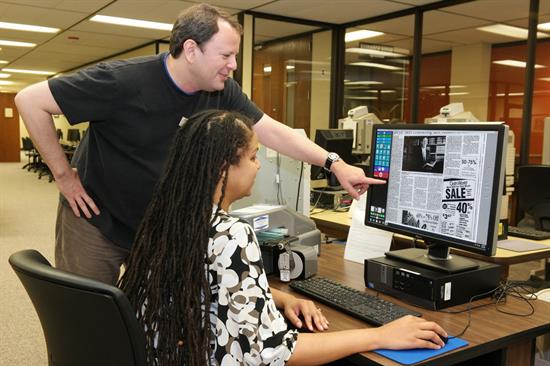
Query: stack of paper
[{"x": 365, "y": 241}]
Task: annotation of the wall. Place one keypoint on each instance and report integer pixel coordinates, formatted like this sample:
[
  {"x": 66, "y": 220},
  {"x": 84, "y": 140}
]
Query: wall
[
  {"x": 435, "y": 79},
  {"x": 320, "y": 81},
  {"x": 247, "y": 54},
  {"x": 471, "y": 68},
  {"x": 9, "y": 132},
  {"x": 506, "y": 95},
  {"x": 283, "y": 93}
]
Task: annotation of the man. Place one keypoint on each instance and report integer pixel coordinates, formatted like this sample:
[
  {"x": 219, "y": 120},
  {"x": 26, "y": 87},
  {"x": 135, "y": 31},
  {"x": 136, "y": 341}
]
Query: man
[
  {"x": 134, "y": 108},
  {"x": 424, "y": 150}
]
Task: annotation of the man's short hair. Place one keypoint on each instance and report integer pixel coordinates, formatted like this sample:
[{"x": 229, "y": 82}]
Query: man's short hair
[{"x": 199, "y": 23}]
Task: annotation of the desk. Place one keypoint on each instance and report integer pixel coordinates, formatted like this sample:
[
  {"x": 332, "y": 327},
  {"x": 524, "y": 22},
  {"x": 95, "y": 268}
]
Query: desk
[
  {"x": 336, "y": 224},
  {"x": 495, "y": 337}
]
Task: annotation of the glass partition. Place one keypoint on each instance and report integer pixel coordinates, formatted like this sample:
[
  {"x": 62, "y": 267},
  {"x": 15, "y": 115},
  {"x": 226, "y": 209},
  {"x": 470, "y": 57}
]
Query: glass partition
[
  {"x": 377, "y": 67},
  {"x": 291, "y": 73},
  {"x": 507, "y": 92}
]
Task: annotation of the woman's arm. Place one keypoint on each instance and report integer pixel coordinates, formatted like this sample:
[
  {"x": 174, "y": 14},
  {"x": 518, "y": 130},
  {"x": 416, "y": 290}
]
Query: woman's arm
[{"x": 404, "y": 333}]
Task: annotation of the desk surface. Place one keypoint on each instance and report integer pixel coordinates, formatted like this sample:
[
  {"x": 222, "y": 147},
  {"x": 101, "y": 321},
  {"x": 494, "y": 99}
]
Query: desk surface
[
  {"x": 489, "y": 330},
  {"x": 340, "y": 221}
]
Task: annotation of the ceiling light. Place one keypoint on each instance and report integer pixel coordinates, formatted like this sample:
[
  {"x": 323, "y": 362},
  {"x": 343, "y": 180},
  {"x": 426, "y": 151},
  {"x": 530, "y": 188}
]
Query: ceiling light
[
  {"x": 509, "y": 31},
  {"x": 515, "y": 63},
  {"x": 544, "y": 26},
  {"x": 4, "y": 76},
  {"x": 16, "y": 44},
  {"x": 376, "y": 65},
  {"x": 363, "y": 83},
  {"x": 34, "y": 72},
  {"x": 454, "y": 93},
  {"x": 509, "y": 94},
  {"x": 6, "y": 82},
  {"x": 132, "y": 22},
  {"x": 267, "y": 69},
  {"x": 444, "y": 86},
  {"x": 29, "y": 28},
  {"x": 359, "y": 97},
  {"x": 3, "y": 62},
  {"x": 361, "y": 34},
  {"x": 385, "y": 91},
  {"x": 374, "y": 52}
]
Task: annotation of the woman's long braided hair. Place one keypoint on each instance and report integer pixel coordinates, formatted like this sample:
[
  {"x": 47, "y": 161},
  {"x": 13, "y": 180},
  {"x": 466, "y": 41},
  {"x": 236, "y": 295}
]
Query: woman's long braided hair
[{"x": 166, "y": 278}]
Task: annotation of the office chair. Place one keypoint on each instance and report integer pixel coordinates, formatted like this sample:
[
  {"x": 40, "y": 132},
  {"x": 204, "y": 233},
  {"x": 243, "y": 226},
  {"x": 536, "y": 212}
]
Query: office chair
[
  {"x": 85, "y": 322},
  {"x": 73, "y": 135},
  {"x": 533, "y": 184},
  {"x": 28, "y": 148}
]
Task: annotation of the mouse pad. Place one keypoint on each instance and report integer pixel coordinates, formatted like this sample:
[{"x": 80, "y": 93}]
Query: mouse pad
[{"x": 410, "y": 356}]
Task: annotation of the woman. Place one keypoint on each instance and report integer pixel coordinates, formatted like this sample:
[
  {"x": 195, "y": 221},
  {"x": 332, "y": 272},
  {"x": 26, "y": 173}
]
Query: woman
[{"x": 196, "y": 277}]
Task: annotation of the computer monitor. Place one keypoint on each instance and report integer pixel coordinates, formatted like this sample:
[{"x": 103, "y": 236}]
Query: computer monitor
[
  {"x": 533, "y": 188},
  {"x": 449, "y": 195},
  {"x": 73, "y": 135},
  {"x": 333, "y": 140}
]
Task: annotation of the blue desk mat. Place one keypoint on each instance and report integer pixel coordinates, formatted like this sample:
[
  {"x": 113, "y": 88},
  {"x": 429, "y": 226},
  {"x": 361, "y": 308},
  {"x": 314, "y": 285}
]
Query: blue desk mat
[{"x": 410, "y": 356}]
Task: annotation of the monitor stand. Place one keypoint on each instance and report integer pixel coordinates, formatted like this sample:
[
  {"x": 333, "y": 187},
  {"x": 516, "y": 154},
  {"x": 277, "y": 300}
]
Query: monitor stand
[{"x": 437, "y": 257}]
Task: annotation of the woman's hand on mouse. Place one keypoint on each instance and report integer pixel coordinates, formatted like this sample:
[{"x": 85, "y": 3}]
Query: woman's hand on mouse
[{"x": 411, "y": 332}]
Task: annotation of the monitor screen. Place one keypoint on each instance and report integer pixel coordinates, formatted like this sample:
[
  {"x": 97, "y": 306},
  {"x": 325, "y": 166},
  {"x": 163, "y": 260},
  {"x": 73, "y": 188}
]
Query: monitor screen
[
  {"x": 333, "y": 140},
  {"x": 443, "y": 184}
]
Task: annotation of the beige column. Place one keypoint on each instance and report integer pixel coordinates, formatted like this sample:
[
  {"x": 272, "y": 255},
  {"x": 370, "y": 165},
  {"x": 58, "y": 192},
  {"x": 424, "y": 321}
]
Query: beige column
[
  {"x": 470, "y": 69},
  {"x": 320, "y": 81}
]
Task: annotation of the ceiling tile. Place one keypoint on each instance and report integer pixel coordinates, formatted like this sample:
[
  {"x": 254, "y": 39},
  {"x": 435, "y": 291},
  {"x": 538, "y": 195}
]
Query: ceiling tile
[
  {"x": 266, "y": 29},
  {"x": 436, "y": 21},
  {"x": 331, "y": 11},
  {"x": 93, "y": 39},
  {"x": 495, "y": 10},
  {"x": 39, "y": 15},
  {"x": 403, "y": 26},
  {"x": 164, "y": 11},
  {"x": 119, "y": 30},
  {"x": 471, "y": 36}
]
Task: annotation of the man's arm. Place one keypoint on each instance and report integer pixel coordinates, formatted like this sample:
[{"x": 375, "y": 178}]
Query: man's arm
[
  {"x": 285, "y": 140},
  {"x": 36, "y": 105}
]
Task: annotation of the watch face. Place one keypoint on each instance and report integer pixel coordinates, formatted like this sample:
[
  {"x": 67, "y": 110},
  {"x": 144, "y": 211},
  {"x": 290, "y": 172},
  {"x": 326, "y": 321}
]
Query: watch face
[{"x": 333, "y": 156}]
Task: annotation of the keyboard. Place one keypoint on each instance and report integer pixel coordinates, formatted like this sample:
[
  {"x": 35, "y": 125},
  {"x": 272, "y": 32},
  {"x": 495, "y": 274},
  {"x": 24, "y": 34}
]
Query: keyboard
[
  {"x": 528, "y": 233},
  {"x": 358, "y": 304}
]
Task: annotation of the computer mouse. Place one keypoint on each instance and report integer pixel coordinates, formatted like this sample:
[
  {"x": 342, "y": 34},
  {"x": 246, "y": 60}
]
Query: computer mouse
[{"x": 444, "y": 339}]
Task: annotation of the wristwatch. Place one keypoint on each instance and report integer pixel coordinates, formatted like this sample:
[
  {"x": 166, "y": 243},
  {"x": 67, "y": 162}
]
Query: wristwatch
[{"x": 332, "y": 157}]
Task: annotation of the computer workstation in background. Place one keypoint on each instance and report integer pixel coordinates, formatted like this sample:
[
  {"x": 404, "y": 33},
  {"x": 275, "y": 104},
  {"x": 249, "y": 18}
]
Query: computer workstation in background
[{"x": 352, "y": 142}]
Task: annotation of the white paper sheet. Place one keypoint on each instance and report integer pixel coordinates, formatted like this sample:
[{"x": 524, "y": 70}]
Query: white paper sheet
[{"x": 365, "y": 241}]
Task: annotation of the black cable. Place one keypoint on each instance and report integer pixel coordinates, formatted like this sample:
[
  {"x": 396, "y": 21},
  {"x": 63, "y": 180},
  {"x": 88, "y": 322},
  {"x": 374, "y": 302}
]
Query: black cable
[
  {"x": 317, "y": 202},
  {"x": 499, "y": 293},
  {"x": 299, "y": 184}
]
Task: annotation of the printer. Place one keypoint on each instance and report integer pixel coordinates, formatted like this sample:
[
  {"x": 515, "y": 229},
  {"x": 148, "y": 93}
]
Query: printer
[
  {"x": 452, "y": 113},
  {"x": 280, "y": 230},
  {"x": 360, "y": 121}
]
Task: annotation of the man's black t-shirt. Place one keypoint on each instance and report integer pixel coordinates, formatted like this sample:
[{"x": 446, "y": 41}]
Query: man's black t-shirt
[{"x": 134, "y": 109}]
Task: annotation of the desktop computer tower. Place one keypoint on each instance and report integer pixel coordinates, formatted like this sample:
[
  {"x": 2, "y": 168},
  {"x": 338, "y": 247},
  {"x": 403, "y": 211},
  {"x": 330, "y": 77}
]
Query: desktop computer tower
[{"x": 428, "y": 288}]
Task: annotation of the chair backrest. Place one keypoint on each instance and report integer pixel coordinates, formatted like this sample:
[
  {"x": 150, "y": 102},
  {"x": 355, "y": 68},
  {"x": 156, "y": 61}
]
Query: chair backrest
[
  {"x": 533, "y": 186},
  {"x": 27, "y": 143},
  {"x": 85, "y": 322}
]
